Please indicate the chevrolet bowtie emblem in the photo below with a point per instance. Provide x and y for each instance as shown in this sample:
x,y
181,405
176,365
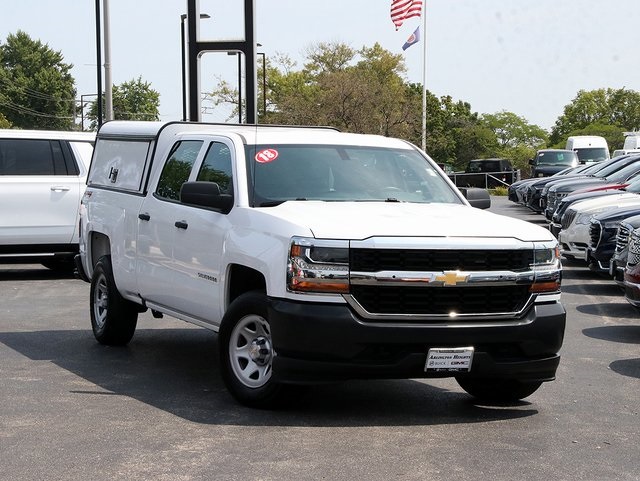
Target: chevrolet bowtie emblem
x,y
452,278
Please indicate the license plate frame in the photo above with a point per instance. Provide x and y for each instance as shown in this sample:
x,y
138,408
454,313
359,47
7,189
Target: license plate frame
x,y
449,359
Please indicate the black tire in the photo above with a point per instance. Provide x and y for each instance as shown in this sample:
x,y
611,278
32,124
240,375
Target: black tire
x,y
498,390
113,318
246,352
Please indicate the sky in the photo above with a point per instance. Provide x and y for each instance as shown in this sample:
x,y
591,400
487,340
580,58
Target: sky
x,y
529,57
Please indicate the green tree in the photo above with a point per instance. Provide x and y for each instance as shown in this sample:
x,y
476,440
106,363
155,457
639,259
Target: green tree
x,y
365,91
36,89
132,100
4,123
602,107
517,139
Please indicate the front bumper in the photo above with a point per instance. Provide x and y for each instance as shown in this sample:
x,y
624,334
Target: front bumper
x,y
616,271
324,342
599,258
632,291
574,241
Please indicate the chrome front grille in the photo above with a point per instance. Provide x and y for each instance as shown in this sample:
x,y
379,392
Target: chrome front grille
x,y
634,250
444,284
567,218
595,232
622,237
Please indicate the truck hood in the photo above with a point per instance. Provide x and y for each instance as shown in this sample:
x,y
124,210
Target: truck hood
x,y
361,220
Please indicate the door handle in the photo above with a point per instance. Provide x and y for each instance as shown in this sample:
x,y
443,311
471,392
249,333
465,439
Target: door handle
x,y
181,224
144,216
60,188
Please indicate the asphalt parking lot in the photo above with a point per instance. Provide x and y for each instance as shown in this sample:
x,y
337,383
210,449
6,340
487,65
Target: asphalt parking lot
x,y
75,410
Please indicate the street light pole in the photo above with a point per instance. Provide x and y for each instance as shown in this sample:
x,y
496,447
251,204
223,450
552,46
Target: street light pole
x,y
239,54
264,82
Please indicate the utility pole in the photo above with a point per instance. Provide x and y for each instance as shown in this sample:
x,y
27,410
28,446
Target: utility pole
x,y
108,83
99,62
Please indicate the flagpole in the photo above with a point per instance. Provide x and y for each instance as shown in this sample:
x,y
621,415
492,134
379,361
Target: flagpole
x,y
424,76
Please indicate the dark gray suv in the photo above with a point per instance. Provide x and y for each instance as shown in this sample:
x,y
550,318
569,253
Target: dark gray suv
x,y
551,161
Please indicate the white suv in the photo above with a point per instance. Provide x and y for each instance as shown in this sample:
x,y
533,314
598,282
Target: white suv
x,y
42,179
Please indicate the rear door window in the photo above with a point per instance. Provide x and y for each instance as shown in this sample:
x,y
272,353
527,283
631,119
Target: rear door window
x,y
177,169
31,157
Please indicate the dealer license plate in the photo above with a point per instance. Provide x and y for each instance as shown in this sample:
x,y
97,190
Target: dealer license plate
x,y
449,359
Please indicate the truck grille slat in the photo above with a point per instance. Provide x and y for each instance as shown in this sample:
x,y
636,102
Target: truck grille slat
x,y
373,260
443,301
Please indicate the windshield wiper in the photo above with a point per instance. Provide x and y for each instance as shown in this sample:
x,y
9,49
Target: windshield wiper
x,y
271,203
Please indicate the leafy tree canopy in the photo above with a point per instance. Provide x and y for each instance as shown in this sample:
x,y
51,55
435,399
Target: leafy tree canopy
x,y
132,100
517,139
364,91
37,90
4,123
612,107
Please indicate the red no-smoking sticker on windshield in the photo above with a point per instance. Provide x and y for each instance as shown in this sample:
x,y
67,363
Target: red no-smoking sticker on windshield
x,y
267,155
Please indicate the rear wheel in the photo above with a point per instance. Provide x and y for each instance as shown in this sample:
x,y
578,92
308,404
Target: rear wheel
x,y
113,318
500,390
246,352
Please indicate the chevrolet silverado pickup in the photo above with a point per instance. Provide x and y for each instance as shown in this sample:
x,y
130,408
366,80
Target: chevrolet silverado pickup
x,y
316,256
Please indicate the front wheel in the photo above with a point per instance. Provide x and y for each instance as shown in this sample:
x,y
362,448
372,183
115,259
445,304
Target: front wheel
x,y
246,352
498,390
113,318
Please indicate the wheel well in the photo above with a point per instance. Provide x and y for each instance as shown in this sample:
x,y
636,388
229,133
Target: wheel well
x,y
100,246
243,279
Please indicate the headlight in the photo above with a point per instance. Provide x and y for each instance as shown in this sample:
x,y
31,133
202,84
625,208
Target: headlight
x,y
547,270
318,266
585,217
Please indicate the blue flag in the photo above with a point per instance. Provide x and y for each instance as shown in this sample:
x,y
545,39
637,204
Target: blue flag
x,y
413,38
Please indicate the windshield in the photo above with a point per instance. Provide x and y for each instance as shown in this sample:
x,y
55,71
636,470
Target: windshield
x,y
592,154
625,173
614,165
343,173
486,165
557,158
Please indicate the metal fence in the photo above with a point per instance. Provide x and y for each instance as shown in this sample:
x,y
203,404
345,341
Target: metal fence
x,y
485,180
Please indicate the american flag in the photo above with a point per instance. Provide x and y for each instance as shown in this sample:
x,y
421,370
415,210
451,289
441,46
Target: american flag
x,y
403,9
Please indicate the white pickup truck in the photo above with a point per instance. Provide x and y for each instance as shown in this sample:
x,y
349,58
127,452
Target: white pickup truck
x,y
316,255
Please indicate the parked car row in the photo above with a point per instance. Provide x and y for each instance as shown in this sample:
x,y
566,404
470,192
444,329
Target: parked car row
x,y
594,211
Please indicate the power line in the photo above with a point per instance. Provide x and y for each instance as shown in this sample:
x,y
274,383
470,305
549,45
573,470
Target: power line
x,y
27,111
35,93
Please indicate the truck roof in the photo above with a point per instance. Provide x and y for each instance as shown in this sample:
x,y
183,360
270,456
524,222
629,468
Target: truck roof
x,y
47,134
251,134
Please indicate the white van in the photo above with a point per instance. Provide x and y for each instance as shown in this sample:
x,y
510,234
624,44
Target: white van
x,y
631,141
619,152
590,148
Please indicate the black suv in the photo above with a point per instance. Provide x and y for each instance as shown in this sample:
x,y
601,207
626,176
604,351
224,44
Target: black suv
x,y
488,173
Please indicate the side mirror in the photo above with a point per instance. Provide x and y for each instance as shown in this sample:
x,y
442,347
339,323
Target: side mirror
x,y
531,161
206,194
478,198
